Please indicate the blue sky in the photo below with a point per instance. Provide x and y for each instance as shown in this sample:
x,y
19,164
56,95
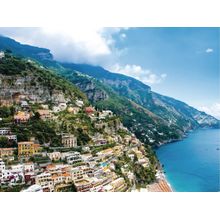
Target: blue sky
x,y
179,62
188,56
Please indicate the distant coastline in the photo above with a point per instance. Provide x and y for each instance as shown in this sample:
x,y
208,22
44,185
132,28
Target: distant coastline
x,y
200,171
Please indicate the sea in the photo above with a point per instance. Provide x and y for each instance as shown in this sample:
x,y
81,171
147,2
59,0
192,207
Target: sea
x,y
193,164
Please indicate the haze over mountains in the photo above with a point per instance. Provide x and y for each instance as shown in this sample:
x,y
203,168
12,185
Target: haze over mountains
x,y
154,118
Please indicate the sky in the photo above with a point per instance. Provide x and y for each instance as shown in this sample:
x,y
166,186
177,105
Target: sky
x,y
179,62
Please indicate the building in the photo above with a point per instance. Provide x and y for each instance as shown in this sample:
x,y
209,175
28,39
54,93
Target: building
x,y
24,104
54,156
18,168
5,131
28,167
62,106
77,173
83,185
106,152
79,103
21,117
45,181
61,178
118,184
28,148
69,140
6,152
73,110
100,141
2,166
56,109
80,172
89,110
44,114
74,158
12,137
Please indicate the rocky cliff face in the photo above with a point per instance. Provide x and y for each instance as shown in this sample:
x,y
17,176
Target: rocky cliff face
x,y
24,80
91,88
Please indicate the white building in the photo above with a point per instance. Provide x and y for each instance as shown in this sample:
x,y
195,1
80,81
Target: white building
x,y
2,165
56,109
54,155
62,106
5,131
28,167
24,104
74,158
64,155
19,168
12,137
79,103
45,181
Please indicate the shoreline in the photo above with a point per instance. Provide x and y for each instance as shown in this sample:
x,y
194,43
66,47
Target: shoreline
x,y
168,183
187,135
162,175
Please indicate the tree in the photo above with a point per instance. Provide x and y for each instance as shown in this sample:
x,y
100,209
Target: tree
x,y
3,141
4,112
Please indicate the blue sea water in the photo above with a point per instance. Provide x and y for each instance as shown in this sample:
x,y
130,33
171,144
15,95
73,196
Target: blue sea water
x,y
193,164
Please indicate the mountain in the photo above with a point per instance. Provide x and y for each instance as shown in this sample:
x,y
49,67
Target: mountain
x,y
173,111
154,118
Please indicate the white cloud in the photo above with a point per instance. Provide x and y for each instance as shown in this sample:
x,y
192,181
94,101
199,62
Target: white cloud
x,y
136,71
213,110
83,45
209,50
73,44
123,36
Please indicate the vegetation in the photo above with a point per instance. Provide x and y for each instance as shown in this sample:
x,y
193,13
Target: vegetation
x,y
10,65
3,141
6,112
96,149
43,131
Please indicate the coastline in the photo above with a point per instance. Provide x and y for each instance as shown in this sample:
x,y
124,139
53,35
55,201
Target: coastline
x,y
161,174
192,140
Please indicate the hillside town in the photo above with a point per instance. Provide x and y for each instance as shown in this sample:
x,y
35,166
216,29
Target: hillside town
x,y
53,140
31,166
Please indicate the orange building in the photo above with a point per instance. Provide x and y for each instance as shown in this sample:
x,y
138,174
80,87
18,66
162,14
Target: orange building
x,y
28,148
